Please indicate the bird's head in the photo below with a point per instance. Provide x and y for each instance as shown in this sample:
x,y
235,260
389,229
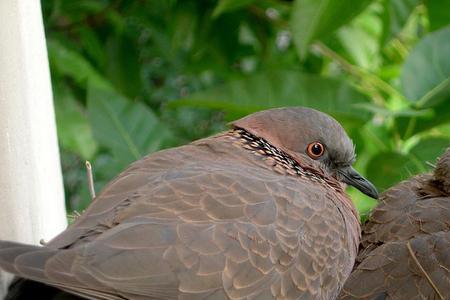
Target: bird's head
x,y
312,137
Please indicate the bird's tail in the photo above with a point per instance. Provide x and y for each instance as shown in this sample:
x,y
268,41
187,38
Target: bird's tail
x,y
44,265
25,289
15,258
25,261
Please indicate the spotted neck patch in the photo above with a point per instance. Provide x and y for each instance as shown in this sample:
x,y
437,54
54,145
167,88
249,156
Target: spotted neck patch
x,y
279,159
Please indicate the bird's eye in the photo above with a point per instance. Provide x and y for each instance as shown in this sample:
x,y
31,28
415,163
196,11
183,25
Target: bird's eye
x,y
315,150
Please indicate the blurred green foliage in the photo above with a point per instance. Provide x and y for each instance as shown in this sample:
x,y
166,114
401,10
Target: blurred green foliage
x,y
132,77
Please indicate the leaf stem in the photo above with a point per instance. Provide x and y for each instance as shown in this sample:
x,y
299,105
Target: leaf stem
x,y
365,75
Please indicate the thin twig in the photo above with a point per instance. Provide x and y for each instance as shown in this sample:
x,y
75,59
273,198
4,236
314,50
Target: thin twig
x,y
90,179
430,164
357,71
411,252
73,216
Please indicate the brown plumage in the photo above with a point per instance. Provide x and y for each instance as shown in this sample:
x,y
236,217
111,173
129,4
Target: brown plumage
x,y
405,248
246,214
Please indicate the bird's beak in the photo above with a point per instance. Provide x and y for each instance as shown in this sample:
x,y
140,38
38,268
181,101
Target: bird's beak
x,y
352,177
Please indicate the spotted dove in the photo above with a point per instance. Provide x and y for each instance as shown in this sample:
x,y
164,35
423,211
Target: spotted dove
x,y
405,248
257,212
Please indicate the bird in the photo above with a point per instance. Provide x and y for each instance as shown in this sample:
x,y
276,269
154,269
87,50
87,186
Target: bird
x,y
256,212
405,243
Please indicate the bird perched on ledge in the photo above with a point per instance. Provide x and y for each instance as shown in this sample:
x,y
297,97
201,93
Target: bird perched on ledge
x,y
257,212
405,248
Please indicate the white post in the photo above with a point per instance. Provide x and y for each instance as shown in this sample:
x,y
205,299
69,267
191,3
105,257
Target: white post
x,y
31,189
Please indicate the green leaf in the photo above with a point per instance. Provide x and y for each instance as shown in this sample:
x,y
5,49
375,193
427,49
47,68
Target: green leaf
x,y
76,11
224,6
182,35
426,73
70,63
440,114
438,13
92,45
314,19
396,113
366,29
283,88
388,168
395,16
123,65
129,130
74,131
429,149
